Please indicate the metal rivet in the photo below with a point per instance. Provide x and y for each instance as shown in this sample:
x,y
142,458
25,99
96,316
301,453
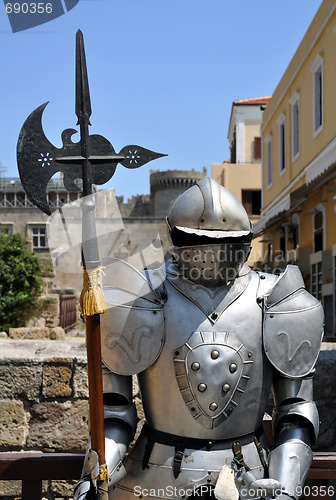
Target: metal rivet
x,y
233,367
226,388
214,354
177,353
271,316
202,220
250,354
195,366
213,406
262,277
192,409
214,316
154,312
230,410
202,387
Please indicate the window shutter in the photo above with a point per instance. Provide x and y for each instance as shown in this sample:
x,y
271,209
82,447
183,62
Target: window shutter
x,y
257,148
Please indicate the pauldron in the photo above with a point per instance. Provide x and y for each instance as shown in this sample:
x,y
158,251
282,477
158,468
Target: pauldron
x,y
293,325
133,328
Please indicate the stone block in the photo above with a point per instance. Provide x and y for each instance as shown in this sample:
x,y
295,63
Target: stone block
x,y
57,381
57,333
80,381
35,332
13,424
51,310
21,381
61,427
64,489
36,322
10,489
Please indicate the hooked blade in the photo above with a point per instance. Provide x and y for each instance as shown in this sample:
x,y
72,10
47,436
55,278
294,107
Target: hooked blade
x,y
38,159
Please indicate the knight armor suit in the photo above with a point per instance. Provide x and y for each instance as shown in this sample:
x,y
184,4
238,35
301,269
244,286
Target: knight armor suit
x,y
208,338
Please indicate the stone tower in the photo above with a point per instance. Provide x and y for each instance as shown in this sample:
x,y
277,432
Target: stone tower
x,y
166,187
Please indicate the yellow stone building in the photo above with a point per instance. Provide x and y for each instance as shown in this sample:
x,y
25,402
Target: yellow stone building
x,y
298,223
241,174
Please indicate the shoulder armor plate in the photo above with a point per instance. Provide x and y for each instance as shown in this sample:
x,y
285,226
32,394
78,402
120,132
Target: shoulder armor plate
x,y
293,325
132,330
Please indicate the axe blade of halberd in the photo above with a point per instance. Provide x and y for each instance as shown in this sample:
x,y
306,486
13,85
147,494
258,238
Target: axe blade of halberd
x,y
38,159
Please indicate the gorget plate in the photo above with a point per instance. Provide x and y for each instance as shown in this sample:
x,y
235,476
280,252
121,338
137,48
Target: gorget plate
x,y
212,371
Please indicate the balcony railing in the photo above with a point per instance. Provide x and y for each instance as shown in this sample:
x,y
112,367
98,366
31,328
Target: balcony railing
x,y
33,468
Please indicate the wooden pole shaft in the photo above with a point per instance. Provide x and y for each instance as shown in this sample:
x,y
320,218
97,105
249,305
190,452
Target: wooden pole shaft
x,y
95,386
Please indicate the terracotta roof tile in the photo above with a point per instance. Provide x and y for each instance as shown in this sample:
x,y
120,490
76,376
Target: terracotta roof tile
x,y
254,100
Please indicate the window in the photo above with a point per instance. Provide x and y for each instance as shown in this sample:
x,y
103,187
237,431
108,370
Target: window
x,y
318,231
282,246
251,200
295,102
38,235
269,164
317,69
6,227
282,144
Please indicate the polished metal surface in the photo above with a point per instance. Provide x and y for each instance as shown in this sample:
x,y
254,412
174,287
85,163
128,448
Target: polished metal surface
x,y
198,467
289,281
293,327
210,232
202,366
117,384
285,388
289,463
88,476
218,358
132,330
302,410
186,361
125,413
223,361
208,206
211,265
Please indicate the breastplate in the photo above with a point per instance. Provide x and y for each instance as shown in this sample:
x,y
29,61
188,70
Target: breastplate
x,y
212,378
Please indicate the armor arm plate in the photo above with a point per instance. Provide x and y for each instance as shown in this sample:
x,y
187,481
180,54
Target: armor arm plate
x,y
295,427
120,421
294,409
293,325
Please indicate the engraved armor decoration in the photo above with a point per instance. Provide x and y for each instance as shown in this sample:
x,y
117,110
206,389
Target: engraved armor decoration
x,y
208,337
212,373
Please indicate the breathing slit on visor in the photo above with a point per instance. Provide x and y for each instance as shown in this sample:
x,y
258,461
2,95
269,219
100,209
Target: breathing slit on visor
x,y
182,239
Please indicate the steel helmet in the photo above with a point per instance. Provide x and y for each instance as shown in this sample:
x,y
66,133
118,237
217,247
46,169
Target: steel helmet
x,y
210,232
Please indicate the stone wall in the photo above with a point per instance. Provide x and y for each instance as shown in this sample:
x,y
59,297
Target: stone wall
x,y
44,402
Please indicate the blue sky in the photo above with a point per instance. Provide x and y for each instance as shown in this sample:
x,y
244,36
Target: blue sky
x,y
163,74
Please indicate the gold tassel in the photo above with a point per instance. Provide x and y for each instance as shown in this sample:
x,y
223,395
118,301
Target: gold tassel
x,y
92,300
